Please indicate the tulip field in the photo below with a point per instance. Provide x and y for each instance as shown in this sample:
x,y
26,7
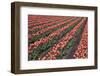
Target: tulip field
x,y
57,37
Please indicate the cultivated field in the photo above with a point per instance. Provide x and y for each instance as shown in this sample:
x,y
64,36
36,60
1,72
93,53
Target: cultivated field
x,y
57,37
